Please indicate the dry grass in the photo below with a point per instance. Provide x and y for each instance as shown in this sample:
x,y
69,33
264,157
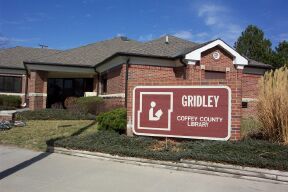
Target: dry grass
x,y
162,145
250,127
273,105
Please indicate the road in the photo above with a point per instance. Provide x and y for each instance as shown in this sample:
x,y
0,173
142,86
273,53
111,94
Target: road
x,y
25,170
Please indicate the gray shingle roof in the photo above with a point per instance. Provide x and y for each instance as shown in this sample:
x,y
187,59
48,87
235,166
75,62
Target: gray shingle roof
x,y
14,57
90,54
253,63
160,48
95,53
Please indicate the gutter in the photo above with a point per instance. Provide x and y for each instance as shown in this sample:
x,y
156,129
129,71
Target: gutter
x,y
134,55
56,64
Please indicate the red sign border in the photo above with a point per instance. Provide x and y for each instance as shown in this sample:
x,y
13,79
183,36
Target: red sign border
x,y
189,137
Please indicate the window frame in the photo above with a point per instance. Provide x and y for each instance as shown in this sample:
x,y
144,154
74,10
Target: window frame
x,y
244,104
214,77
13,88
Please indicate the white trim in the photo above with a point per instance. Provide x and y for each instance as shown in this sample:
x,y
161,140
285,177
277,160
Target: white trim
x,y
248,99
121,95
11,75
190,62
37,94
189,137
240,66
10,112
196,54
90,94
169,111
16,94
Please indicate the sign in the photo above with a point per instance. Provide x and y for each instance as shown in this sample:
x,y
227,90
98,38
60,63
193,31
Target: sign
x,y
199,112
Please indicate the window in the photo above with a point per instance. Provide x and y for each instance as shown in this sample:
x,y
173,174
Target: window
x,y
10,84
244,104
103,84
215,75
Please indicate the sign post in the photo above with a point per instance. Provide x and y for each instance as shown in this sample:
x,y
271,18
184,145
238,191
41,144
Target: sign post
x,y
199,112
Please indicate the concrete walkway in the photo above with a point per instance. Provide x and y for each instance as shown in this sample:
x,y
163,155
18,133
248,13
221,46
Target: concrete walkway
x,y
25,170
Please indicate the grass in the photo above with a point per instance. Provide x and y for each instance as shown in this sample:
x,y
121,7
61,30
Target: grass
x,y
250,127
248,152
273,106
35,134
84,135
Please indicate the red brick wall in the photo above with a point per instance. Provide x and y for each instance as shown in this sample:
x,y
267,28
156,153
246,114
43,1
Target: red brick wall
x,y
225,60
191,75
116,80
114,102
115,85
5,117
250,85
250,90
37,83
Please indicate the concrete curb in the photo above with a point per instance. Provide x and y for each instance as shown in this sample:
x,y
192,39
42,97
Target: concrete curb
x,y
202,167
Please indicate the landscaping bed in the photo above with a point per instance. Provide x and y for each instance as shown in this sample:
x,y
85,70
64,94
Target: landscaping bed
x,y
37,132
253,153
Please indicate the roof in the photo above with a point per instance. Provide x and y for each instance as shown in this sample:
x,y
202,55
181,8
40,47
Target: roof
x,y
160,48
96,53
14,57
253,63
91,54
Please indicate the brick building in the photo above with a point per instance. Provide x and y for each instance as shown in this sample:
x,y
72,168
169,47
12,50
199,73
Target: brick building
x,y
112,68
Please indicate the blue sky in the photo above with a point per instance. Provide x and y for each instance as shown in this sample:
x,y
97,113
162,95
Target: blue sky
x,y
64,24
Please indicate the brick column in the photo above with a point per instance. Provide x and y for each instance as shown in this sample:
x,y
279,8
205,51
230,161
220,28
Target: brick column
x,y
37,90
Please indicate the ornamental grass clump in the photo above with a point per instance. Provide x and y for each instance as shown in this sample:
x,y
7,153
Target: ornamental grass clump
x,y
273,105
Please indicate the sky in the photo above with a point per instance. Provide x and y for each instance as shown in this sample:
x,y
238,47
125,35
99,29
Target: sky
x,y
65,24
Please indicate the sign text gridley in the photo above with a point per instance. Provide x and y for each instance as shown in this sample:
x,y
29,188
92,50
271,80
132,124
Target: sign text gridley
x,y
200,112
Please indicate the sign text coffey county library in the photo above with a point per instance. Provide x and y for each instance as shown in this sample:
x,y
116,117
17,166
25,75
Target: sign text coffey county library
x,y
201,112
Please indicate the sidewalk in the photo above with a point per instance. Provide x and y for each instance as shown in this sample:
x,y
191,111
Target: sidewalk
x,y
188,165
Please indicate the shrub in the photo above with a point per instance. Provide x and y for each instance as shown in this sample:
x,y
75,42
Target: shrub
x,y
250,128
273,106
248,152
115,120
70,102
10,101
89,104
52,114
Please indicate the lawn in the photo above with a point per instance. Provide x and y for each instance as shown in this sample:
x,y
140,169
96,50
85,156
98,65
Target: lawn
x,y
35,134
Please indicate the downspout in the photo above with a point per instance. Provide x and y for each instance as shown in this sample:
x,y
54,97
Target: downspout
x,y
26,90
183,62
26,85
126,81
